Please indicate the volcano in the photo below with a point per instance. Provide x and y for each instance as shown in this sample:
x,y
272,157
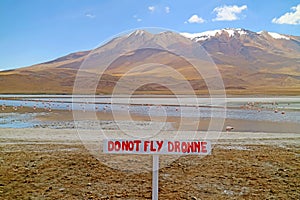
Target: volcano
x,y
248,62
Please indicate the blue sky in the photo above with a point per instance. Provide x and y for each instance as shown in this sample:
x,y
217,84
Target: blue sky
x,y
35,31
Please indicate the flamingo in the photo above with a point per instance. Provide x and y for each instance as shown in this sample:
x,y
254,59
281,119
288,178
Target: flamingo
x,y
229,128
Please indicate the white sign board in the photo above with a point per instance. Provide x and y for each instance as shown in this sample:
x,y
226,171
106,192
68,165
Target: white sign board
x,y
116,146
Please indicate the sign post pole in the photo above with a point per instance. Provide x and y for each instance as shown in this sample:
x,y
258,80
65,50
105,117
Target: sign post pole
x,y
155,170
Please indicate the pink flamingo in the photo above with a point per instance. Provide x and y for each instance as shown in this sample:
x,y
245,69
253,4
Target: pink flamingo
x,y
229,128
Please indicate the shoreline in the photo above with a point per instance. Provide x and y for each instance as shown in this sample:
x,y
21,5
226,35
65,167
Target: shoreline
x,y
61,119
72,136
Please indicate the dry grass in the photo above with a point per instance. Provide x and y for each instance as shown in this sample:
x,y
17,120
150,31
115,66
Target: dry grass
x,y
49,171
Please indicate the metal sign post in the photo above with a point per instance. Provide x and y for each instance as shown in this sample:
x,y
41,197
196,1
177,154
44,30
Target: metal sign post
x,y
155,171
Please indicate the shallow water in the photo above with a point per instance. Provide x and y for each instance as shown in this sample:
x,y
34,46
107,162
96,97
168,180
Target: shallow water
x,y
18,120
263,109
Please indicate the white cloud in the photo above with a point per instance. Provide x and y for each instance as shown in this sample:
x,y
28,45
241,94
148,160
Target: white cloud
x,y
290,17
90,15
151,8
228,13
137,18
195,19
167,9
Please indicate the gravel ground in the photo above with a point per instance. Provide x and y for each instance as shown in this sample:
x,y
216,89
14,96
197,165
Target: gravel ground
x,y
43,163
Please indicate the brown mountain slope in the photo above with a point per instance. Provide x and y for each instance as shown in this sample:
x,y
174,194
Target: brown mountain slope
x,y
250,63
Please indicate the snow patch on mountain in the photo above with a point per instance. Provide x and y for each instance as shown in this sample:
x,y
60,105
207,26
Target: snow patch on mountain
x,y
137,33
209,34
276,36
231,33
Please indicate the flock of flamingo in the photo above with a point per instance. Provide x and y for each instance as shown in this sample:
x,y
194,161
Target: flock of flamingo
x,y
255,106
47,105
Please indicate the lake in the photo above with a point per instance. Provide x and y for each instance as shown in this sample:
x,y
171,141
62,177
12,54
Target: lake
x,y
272,109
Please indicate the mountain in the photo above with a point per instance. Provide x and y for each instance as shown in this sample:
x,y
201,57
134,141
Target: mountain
x,y
249,62
262,61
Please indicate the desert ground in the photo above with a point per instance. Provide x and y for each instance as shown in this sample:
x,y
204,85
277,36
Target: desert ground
x,y
44,163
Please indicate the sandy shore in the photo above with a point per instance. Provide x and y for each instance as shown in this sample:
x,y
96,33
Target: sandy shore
x,y
66,136
42,163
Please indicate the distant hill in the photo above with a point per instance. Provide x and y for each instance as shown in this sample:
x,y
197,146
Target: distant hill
x,y
249,62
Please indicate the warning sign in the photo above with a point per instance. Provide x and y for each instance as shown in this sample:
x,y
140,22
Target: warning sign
x,y
116,146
